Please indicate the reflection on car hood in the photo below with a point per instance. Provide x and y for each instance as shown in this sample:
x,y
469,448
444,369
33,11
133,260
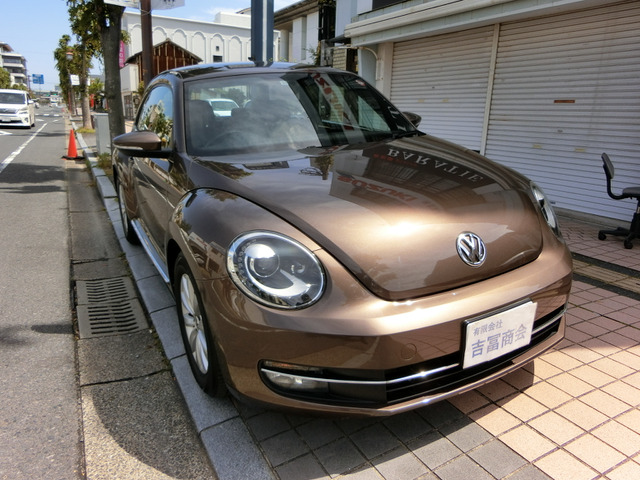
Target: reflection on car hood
x,y
391,212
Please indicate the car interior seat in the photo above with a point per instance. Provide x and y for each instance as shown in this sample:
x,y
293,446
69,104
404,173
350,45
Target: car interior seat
x,y
200,124
629,192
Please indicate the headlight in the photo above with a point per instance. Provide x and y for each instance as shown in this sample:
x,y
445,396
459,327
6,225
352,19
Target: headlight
x,y
546,208
275,270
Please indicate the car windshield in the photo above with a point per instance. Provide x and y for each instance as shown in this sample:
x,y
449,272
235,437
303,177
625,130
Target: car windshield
x,y
294,110
12,98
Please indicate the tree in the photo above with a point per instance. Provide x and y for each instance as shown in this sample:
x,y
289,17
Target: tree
x,y
100,25
81,20
65,68
5,78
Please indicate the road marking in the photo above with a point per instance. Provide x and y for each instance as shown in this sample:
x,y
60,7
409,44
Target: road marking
x,y
2,132
10,158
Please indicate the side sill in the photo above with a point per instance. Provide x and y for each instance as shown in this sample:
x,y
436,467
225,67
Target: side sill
x,y
151,252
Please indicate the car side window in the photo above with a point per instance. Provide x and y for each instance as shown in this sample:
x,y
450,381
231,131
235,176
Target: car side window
x,y
156,114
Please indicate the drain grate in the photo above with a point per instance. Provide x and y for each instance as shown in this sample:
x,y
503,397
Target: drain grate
x,y
108,290
108,307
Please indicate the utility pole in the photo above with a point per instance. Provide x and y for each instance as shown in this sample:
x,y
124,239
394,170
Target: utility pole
x,y
261,31
147,43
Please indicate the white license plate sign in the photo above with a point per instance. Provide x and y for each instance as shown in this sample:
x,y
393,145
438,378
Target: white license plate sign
x,y
496,335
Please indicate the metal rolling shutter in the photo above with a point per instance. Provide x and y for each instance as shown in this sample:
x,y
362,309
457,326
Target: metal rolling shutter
x,y
444,79
566,89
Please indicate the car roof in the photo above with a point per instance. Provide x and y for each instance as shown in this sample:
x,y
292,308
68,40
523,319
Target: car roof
x,y
235,67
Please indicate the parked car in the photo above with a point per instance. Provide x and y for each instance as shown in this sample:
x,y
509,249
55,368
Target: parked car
x,y
325,254
17,107
222,107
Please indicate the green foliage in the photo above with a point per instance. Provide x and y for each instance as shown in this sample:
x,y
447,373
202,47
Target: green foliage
x,y
5,78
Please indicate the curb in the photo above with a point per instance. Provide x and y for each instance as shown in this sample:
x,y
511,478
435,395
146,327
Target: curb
x,y
232,451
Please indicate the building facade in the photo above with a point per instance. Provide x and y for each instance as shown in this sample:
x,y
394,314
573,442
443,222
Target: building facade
x,y
226,39
544,87
15,64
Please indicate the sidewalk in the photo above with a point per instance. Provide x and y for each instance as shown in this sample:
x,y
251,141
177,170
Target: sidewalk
x,y
571,414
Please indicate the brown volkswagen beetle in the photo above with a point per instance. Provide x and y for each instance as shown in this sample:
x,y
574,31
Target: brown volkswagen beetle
x,y
326,255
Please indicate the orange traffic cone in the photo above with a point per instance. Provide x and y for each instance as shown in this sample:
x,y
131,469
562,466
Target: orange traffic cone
x,y
72,152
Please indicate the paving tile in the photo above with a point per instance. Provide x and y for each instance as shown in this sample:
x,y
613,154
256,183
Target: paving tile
x,y
633,380
434,450
465,434
575,335
400,464
283,447
545,370
375,440
632,333
605,403
525,441
522,406
529,472
625,392
570,384
619,437
494,419
319,432
268,424
626,471
590,328
440,414
631,419
303,467
562,466
339,457
366,472
556,428
582,354
463,467
611,367
582,313
592,376
581,414
498,389
548,395
618,340
606,344
627,358
497,459
469,401
407,426
595,453
352,424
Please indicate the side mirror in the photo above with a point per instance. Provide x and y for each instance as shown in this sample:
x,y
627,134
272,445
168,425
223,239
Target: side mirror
x,y
414,118
144,143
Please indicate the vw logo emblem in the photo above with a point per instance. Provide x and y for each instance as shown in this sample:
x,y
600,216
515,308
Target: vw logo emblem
x,y
471,249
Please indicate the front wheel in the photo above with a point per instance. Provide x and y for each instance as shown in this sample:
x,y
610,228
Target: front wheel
x,y
196,333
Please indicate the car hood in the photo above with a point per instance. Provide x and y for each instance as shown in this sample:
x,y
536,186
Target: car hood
x,y
392,212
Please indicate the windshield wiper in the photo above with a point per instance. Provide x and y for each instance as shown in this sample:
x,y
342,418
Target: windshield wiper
x,y
402,134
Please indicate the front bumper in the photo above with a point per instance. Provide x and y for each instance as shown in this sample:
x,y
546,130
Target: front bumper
x,y
374,357
14,118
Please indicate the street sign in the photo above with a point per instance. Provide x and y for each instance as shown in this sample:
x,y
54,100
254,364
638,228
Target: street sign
x,y
37,79
155,4
75,80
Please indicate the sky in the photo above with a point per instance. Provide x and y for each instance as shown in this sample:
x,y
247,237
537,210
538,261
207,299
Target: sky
x,y
33,28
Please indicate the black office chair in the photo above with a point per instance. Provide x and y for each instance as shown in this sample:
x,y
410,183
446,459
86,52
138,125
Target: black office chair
x,y
629,192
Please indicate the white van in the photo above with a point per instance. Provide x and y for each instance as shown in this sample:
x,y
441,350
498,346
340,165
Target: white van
x,y
16,107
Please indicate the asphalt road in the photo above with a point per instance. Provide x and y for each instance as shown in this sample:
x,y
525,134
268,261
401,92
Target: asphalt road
x,y
72,405
40,430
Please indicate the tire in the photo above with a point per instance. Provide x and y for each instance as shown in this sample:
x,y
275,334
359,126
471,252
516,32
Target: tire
x,y
129,233
195,330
